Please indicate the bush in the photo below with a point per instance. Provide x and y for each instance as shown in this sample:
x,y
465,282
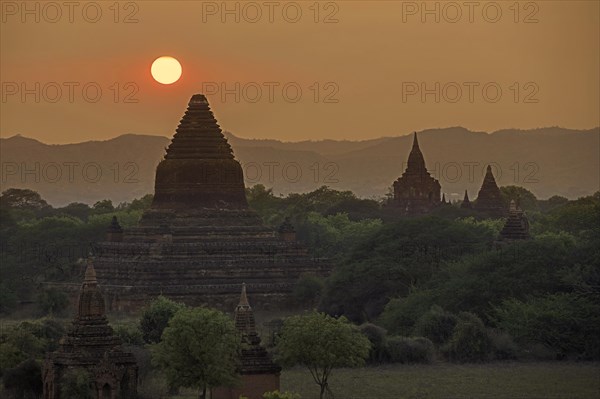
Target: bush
x,y
76,383
436,324
280,395
377,337
24,379
155,318
469,341
130,334
10,356
410,350
564,323
503,345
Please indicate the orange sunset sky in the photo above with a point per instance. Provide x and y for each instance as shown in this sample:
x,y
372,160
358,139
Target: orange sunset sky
x,y
357,64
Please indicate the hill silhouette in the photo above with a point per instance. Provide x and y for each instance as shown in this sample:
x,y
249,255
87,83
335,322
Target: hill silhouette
x,y
546,161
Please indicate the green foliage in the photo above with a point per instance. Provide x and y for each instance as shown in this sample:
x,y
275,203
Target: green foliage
x,y
281,395
25,379
308,289
155,318
469,341
198,350
503,345
10,356
321,343
8,298
525,198
566,323
395,259
23,199
52,301
436,324
129,334
401,314
409,350
378,338
104,206
76,383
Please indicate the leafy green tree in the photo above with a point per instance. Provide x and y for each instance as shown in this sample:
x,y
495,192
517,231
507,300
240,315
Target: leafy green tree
x,y
280,395
436,324
321,343
76,209
378,338
155,318
525,198
23,199
103,206
409,350
199,349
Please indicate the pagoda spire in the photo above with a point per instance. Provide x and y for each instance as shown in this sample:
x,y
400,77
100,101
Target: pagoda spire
x,y
516,226
416,162
489,199
91,302
244,317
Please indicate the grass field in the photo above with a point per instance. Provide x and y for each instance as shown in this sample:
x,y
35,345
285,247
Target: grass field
x,y
442,380
451,381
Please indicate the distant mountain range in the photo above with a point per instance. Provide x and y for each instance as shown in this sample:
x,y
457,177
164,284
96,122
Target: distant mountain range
x,y
546,161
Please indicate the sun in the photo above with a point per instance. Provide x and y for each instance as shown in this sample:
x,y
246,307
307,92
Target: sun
x,y
166,70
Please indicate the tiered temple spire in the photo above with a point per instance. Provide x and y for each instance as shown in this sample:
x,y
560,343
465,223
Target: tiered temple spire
x,y
489,199
466,204
91,344
416,191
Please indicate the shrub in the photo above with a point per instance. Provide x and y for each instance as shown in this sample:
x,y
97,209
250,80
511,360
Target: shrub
x,y
130,334
10,356
377,336
564,323
503,345
280,395
469,341
436,324
410,350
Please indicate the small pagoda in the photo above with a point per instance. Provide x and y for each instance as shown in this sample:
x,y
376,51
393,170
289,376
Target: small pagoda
x,y
91,345
516,226
416,191
258,372
489,199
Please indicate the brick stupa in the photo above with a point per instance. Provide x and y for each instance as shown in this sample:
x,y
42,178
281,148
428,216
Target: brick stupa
x,y
199,240
91,345
516,226
489,199
416,191
258,372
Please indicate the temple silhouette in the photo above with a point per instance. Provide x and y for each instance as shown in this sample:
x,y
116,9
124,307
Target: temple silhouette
x,y
91,345
416,191
199,240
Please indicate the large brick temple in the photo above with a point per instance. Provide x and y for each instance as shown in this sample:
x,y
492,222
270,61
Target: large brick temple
x,y
199,240
416,192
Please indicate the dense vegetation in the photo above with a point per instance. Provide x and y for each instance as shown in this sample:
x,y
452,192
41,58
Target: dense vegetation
x,y
434,287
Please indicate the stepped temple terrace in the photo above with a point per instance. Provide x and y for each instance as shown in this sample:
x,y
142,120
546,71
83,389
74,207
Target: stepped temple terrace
x,y
91,345
199,240
258,372
416,191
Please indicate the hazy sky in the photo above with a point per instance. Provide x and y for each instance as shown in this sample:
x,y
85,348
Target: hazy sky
x,y
361,66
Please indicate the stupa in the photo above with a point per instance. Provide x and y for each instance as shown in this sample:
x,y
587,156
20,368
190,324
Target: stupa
x,y
489,199
466,204
199,240
92,346
259,374
416,191
516,226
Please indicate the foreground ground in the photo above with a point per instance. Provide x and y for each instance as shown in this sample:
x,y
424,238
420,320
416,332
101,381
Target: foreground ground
x,y
450,381
496,380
